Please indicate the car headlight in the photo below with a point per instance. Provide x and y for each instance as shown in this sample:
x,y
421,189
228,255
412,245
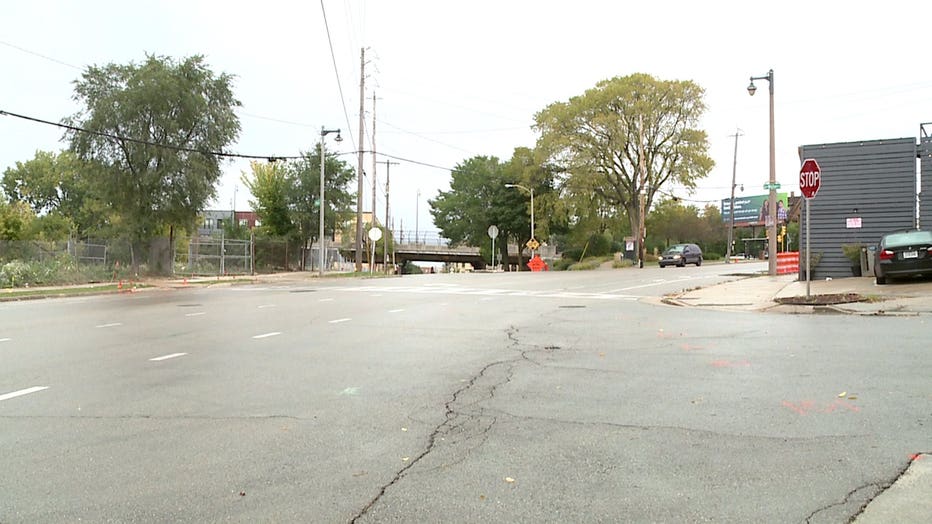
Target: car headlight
x,y
676,257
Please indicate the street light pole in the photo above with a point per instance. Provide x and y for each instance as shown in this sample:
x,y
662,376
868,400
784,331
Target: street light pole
x,y
323,160
731,228
772,199
531,191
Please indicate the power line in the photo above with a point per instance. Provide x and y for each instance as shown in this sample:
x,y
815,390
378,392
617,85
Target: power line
x,y
270,158
50,59
336,72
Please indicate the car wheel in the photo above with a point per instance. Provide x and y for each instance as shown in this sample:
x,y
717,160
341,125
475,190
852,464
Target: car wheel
x,y
698,261
682,263
881,280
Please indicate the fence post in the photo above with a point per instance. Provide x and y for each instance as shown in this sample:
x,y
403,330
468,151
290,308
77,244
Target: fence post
x,y
223,252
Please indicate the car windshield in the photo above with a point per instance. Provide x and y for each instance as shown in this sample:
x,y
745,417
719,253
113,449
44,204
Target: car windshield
x,y
908,238
674,250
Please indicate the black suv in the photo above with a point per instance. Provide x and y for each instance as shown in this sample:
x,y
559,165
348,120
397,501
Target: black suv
x,y
681,254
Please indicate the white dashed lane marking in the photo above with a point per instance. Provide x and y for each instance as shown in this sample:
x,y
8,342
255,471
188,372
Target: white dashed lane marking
x,y
196,314
267,335
339,320
5,339
22,392
112,324
395,310
166,357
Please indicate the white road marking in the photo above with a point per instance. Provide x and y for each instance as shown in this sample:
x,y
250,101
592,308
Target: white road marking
x,y
22,392
112,324
5,339
337,321
267,335
350,391
326,300
166,357
390,311
196,314
263,306
451,289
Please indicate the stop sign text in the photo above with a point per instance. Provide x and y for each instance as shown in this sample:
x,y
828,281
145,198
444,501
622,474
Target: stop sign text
x,y
810,178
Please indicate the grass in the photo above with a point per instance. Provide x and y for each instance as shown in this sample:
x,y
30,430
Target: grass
x,y
20,294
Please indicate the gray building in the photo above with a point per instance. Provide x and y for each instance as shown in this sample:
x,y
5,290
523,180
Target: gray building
x,y
868,189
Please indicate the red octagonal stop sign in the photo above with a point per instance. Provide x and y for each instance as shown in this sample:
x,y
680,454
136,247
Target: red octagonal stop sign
x,y
810,178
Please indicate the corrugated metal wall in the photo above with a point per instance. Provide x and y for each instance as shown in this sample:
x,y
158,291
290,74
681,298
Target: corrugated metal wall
x,y
925,166
872,180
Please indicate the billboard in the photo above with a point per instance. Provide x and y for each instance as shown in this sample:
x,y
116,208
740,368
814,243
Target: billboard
x,y
752,210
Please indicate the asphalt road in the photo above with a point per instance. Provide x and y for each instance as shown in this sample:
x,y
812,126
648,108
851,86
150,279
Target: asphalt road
x,y
546,397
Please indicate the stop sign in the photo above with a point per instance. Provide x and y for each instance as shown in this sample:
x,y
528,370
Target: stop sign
x,y
810,178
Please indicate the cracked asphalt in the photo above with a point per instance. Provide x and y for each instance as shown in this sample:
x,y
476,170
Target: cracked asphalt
x,y
560,397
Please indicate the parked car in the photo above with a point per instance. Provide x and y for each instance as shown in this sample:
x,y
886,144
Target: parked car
x,y
903,254
681,254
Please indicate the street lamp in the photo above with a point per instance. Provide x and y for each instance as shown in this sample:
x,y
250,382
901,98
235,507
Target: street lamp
x,y
772,200
531,191
323,133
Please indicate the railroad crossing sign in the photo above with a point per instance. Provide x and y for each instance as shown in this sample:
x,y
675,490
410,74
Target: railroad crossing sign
x,y
533,244
810,178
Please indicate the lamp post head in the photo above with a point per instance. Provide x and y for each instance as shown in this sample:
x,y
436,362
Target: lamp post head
x,y
752,88
325,132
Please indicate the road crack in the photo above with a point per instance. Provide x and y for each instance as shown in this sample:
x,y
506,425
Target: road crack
x,y
473,425
878,488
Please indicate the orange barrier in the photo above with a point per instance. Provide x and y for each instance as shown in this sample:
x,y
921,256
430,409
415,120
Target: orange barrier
x,y
788,262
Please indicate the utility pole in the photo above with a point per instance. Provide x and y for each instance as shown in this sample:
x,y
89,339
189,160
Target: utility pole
x,y
374,179
731,227
359,174
388,165
642,196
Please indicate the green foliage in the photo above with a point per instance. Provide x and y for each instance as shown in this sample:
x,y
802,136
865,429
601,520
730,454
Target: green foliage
x,y
601,137
410,268
63,185
599,245
287,195
478,198
853,252
172,115
60,270
15,220
270,189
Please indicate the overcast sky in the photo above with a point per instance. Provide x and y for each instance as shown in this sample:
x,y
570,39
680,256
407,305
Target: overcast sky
x,y
458,79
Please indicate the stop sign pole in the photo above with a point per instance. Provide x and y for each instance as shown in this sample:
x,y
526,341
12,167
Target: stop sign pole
x,y
810,180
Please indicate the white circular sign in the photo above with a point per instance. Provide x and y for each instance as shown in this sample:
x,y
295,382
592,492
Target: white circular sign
x,y
493,231
375,234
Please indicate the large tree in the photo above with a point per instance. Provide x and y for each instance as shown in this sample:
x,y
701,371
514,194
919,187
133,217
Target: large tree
x,y
603,135
479,198
154,127
60,185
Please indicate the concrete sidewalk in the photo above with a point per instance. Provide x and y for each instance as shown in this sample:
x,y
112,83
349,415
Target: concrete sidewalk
x,y
765,293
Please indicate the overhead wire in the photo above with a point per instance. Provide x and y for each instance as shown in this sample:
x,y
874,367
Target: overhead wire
x,y
336,72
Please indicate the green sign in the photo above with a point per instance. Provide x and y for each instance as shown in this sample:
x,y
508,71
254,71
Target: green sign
x,y
769,186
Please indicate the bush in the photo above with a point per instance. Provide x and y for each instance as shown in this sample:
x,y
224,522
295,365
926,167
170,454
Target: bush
x,y
562,264
599,245
16,273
